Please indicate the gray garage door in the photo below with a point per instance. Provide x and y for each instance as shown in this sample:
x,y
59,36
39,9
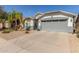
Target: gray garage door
x,y
57,26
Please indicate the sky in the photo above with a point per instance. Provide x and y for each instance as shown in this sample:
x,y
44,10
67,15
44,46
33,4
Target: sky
x,y
31,10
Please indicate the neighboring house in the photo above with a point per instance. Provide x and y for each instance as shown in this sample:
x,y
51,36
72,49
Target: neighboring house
x,y
30,22
57,21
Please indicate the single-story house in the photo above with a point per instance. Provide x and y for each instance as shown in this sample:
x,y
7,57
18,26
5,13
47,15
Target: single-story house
x,y
57,21
29,22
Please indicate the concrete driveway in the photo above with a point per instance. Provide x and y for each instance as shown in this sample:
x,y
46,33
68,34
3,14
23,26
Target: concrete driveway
x,y
41,41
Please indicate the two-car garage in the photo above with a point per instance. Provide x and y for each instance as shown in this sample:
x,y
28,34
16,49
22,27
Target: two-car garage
x,y
54,25
56,22
57,25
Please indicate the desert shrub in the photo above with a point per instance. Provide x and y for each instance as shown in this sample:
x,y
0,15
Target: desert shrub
x,y
6,31
27,32
77,35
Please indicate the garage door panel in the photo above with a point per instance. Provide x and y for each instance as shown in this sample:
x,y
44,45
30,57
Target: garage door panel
x,y
58,26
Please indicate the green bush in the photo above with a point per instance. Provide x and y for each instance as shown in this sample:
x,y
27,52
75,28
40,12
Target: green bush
x,y
6,31
27,32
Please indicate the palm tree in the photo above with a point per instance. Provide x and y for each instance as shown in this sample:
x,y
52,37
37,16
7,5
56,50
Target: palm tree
x,y
15,18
